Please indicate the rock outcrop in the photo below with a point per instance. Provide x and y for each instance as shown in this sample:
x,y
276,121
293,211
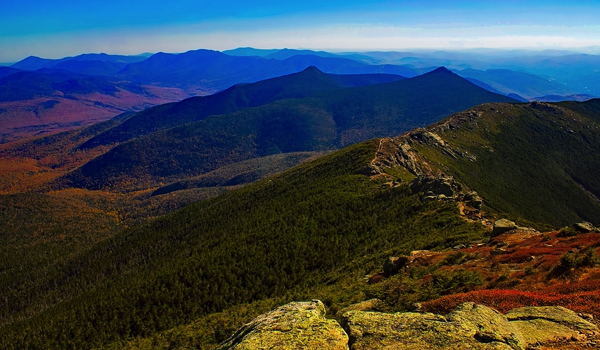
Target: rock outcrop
x,y
585,227
472,199
411,330
503,225
302,325
298,325
397,152
431,181
546,323
436,187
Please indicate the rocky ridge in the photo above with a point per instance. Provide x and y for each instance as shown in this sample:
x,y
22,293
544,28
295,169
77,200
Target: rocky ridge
x,y
422,157
302,325
430,180
399,151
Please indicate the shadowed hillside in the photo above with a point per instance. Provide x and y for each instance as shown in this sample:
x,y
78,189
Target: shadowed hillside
x,y
328,121
536,161
309,82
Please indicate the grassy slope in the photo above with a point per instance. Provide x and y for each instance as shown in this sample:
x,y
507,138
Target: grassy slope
x,y
533,153
310,226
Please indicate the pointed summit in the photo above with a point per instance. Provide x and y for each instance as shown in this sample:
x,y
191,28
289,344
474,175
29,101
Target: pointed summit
x,y
443,73
441,69
438,73
312,69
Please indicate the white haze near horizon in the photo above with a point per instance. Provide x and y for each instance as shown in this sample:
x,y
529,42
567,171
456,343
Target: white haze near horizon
x,y
334,39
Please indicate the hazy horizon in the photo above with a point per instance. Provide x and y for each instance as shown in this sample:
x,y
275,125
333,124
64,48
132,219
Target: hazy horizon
x,y
67,28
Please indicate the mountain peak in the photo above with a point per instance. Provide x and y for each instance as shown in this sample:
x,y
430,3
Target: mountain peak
x,y
312,69
441,69
438,72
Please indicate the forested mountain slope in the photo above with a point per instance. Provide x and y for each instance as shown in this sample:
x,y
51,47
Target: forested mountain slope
x,y
327,121
306,83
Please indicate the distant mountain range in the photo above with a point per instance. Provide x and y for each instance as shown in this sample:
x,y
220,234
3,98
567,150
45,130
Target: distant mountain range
x,y
163,77
91,64
307,83
206,71
523,84
201,134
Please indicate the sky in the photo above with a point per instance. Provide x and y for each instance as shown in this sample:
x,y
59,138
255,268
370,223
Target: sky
x,y
59,28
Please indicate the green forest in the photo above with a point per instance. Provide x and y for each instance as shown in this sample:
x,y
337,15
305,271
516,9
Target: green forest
x,y
277,238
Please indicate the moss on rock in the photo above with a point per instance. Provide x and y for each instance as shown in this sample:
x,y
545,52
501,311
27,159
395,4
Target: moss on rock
x,y
302,325
371,330
540,324
489,324
298,325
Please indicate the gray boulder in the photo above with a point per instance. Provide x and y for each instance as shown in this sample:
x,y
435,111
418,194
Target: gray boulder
x,y
584,227
473,200
503,225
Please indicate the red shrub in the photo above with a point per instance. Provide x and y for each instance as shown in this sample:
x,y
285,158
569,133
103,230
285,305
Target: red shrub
x,y
523,255
505,300
588,239
574,287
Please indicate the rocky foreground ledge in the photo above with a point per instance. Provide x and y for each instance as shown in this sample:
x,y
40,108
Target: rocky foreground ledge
x,y
302,325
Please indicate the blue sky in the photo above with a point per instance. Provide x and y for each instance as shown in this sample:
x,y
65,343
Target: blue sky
x,y
59,28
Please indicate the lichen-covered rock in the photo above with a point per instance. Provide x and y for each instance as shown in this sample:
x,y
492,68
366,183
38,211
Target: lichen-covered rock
x,y
503,225
302,325
546,323
298,325
367,305
584,227
542,331
557,314
372,330
490,325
